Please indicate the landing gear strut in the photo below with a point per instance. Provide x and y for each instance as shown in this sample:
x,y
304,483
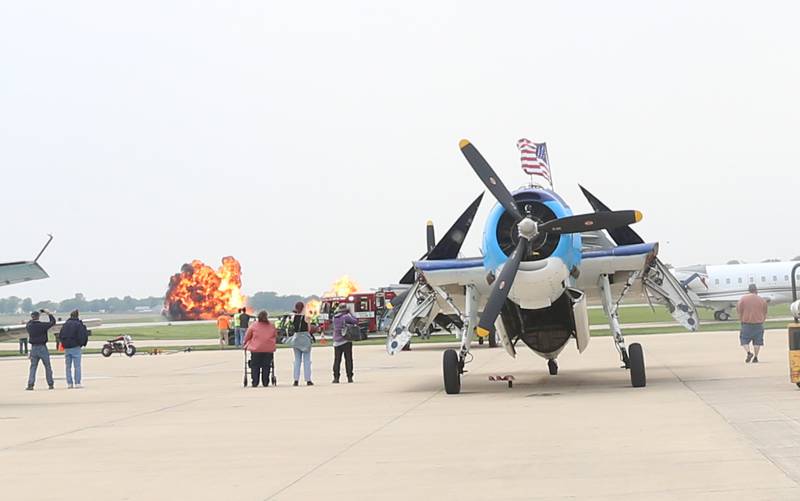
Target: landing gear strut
x,y
722,316
632,358
552,366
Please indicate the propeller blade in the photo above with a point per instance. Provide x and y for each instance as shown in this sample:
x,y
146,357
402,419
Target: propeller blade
x,y
502,285
489,178
589,222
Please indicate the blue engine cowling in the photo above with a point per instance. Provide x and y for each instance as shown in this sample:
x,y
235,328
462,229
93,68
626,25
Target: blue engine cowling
x,y
500,234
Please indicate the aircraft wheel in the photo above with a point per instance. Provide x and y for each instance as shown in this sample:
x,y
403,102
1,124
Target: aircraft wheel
x,y
638,376
722,316
452,379
492,340
798,385
552,366
480,340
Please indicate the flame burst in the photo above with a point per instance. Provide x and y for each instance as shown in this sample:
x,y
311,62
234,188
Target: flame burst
x,y
200,293
312,308
342,287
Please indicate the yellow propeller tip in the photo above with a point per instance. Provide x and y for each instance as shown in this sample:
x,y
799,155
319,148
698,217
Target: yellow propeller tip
x,y
637,216
481,332
429,223
463,144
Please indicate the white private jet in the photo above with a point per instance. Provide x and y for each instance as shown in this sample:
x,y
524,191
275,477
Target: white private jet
x,y
719,287
531,282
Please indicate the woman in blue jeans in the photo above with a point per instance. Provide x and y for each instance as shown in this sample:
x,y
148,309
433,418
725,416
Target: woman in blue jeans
x,y
303,340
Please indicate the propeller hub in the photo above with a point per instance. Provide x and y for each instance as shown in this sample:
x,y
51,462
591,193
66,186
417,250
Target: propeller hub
x,y
528,228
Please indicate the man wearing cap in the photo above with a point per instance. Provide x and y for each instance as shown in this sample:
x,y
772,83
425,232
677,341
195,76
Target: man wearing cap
x,y
752,310
74,336
37,336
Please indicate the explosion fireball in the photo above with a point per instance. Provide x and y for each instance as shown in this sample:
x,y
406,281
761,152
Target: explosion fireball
x,y
200,293
342,287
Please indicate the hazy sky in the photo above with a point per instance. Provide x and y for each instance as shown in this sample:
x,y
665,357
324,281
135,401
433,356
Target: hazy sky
x,y
314,139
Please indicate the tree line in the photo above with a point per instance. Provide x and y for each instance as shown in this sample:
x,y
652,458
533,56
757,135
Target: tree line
x,y
265,300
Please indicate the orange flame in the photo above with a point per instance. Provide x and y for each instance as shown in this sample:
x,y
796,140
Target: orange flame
x,y
312,308
342,287
199,292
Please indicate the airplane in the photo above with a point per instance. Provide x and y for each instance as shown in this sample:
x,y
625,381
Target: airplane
x,y
719,287
532,280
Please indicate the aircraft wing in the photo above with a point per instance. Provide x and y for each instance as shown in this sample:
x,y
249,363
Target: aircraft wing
x,y
16,331
440,288
21,271
640,262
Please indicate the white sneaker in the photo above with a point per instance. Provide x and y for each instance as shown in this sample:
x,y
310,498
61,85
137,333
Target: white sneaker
x,y
69,386
78,386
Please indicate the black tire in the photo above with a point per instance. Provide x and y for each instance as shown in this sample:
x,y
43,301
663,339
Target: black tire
x,y
638,376
480,340
106,351
492,340
130,351
798,385
552,367
452,379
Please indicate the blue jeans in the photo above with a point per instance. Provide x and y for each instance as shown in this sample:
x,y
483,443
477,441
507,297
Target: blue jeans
x,y
39,352
73,355
303,357
239,333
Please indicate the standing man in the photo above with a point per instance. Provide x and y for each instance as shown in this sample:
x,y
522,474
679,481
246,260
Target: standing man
x,y
74,336
37,335
752,310
244,323
237,334
223,323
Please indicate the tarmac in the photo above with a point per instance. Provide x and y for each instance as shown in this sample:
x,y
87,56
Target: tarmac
x,y
181,426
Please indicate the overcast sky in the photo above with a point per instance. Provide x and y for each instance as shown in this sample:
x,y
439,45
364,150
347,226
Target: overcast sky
x,y
314,139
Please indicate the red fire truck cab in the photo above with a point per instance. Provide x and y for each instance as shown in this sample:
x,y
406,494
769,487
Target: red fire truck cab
x,y
368,307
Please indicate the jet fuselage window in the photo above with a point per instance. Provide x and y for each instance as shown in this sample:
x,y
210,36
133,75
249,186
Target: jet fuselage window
x,y
774,278
752,280
763,278
716,281
728,281
740,279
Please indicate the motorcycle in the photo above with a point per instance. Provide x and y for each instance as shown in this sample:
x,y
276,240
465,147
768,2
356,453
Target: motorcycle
x,y
121,344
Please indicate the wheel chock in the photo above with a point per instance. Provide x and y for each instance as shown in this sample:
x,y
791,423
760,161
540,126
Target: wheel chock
x,y
508,378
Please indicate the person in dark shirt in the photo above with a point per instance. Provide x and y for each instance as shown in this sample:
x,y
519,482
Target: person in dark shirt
x,y
74,336
37,335
244,321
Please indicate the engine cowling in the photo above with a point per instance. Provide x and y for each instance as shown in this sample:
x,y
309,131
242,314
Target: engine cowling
x,y
501,236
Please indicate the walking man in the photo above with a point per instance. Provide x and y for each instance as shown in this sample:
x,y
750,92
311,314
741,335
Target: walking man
x,y
37,335
752,310
74,336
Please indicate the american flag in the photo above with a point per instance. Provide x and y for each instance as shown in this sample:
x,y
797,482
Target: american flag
x,y
534,159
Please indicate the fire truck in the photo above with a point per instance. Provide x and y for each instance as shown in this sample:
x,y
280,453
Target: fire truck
x,y
368,307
